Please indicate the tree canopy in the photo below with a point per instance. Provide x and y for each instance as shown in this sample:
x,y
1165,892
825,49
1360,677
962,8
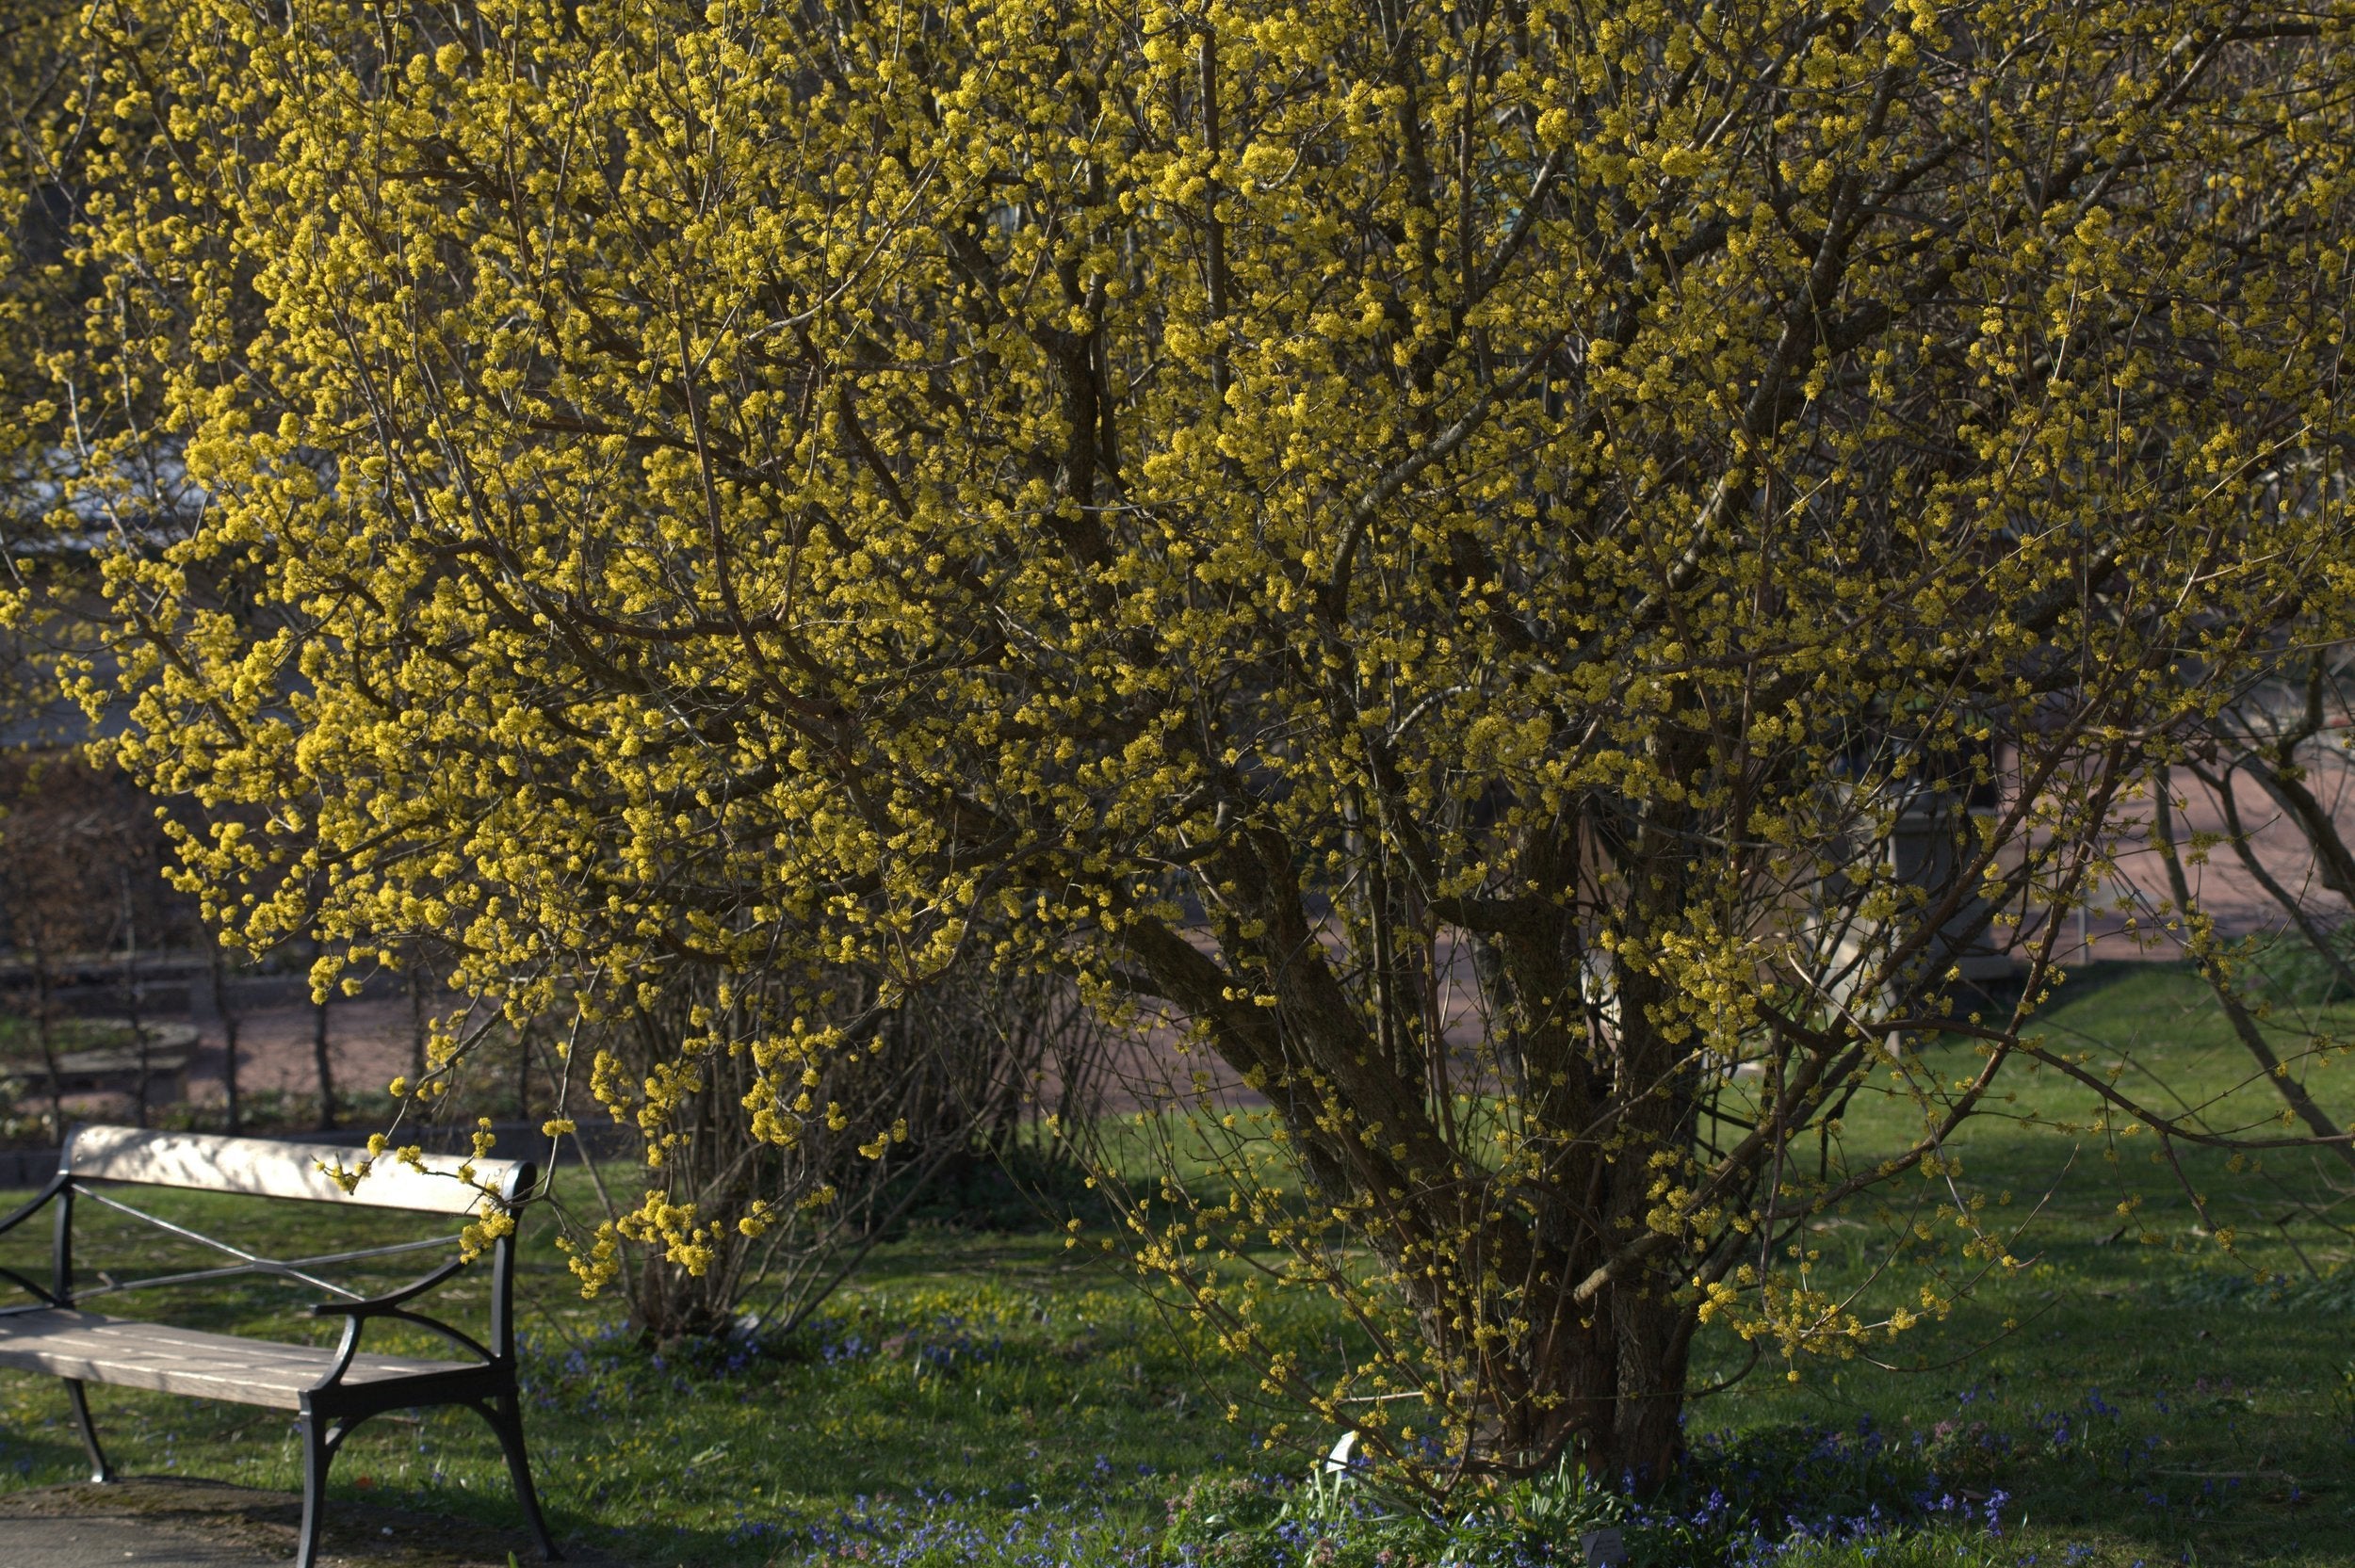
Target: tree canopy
x,y
1282,512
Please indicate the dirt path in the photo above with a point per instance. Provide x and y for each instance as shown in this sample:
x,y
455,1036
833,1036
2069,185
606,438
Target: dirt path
x,y
190,1524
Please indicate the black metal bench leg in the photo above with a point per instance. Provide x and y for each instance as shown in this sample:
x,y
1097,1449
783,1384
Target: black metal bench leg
x,y
506,1415
99,1469
317,1453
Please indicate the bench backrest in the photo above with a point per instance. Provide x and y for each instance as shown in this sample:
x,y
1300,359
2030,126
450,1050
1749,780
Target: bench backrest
x,y
265,1168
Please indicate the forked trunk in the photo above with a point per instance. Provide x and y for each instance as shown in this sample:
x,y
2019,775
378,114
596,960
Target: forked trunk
x,y
1492,1250
1600,1385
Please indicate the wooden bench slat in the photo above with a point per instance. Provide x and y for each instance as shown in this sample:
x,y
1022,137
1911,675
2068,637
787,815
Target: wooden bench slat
x,y
265,1168
125,1351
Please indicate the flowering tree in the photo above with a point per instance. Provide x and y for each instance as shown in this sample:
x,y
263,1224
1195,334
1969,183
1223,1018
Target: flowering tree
x,y
1278,511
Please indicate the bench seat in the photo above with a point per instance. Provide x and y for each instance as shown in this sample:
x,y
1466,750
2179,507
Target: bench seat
x,y
131,1354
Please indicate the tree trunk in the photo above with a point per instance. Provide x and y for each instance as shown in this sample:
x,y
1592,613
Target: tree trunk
x,y
229,1040
44,1030
1546,1293
416,1021
141,1053
326,1070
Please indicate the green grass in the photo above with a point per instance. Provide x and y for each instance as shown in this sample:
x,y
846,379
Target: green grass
x,y
2141,1393
2140,1396
20,1049
19,1037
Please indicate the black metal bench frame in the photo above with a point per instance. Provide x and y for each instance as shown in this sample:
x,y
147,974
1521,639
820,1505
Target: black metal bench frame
x,y
331,1408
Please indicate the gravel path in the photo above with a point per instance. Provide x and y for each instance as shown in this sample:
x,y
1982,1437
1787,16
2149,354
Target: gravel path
x,y
100,1542
166,1523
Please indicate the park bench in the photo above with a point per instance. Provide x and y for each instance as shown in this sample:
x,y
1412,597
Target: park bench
x,y
332,1391
107,1069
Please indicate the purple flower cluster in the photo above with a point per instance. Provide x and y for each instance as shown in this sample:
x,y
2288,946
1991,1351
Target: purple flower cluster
x,y
937,1530
944,1341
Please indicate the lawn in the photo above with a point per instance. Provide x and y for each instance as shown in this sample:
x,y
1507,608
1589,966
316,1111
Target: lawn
x,y
2131,1394
2157,1399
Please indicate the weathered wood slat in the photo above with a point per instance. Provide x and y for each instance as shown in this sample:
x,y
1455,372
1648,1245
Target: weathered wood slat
x,y
265,1168
132,1355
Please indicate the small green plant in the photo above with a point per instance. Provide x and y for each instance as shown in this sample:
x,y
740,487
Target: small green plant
x,y
1215,1507
1337,1517
1534,1520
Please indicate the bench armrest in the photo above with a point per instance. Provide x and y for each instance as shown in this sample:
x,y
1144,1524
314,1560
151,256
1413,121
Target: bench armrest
x,y
57,1185
393,1304
378,1307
